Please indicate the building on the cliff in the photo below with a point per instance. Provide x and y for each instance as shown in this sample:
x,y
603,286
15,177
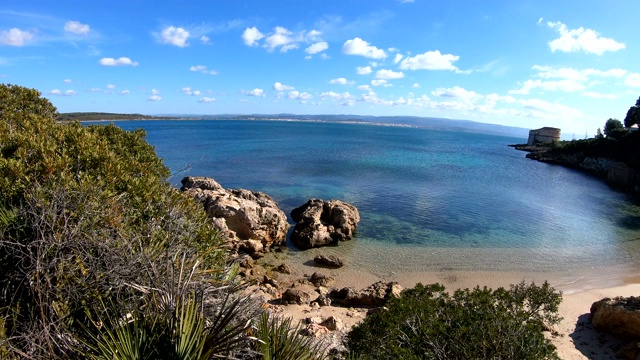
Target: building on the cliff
x,y
543,135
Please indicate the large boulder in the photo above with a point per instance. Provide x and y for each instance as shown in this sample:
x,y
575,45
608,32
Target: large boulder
x,y
619,317
252,218
320,223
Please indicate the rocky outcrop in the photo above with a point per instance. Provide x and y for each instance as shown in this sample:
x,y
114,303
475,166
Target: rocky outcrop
x,y
251,220
374,296
320,223
618,316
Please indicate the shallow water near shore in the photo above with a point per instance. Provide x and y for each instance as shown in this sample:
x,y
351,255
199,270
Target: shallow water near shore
x,y
430,201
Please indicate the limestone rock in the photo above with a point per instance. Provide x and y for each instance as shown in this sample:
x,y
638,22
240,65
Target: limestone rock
x,y
319,279
329,261
320,223
375,295
297,296
242,214
618,316
333,323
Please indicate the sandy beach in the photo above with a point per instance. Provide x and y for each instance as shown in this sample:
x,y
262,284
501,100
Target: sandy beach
x,y
575,338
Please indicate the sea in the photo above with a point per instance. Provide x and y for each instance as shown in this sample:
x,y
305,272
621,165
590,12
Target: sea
x,y
429,200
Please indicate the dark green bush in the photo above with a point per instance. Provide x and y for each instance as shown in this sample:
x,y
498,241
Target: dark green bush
x,y
86,218
428,323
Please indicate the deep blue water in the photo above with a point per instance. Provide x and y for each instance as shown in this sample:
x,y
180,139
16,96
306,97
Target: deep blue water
x,y
431,194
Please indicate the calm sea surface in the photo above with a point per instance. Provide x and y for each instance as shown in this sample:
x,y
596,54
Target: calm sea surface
x,y
429,200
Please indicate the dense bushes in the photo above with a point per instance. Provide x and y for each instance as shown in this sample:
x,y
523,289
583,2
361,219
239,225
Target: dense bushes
x,y
428,323
87,219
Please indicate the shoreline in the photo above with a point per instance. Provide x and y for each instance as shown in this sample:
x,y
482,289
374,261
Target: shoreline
x,y
575,338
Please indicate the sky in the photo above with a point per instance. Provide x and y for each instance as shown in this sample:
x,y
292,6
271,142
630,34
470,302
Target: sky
x,y
567,64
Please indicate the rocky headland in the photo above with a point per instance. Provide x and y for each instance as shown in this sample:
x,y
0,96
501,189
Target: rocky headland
x,y
610,165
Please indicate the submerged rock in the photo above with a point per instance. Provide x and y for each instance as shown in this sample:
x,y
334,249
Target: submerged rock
x,y
329,261
320,223
252,218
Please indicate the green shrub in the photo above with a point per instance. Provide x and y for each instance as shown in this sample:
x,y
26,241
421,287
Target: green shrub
x,y
428,323
84,213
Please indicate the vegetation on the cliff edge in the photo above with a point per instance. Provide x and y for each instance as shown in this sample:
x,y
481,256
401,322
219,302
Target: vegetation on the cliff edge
x,y
101,258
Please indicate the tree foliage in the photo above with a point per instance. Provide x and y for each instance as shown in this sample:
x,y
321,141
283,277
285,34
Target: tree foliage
x,y
428,323
633,115
613,128
85,213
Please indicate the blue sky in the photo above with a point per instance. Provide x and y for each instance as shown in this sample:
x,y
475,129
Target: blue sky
x,y
569,64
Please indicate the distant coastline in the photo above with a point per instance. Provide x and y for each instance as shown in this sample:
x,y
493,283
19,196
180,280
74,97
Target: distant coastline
x,y
393,121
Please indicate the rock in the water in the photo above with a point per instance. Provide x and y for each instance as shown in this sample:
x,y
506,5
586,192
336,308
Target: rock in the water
x,y
247,215
320,223
375,295
329,261
619,317
283,268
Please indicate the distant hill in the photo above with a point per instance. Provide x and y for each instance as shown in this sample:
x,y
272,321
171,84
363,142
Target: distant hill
x,y
414,121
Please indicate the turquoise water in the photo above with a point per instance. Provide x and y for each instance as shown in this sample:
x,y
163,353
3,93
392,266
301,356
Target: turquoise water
x,y
428,199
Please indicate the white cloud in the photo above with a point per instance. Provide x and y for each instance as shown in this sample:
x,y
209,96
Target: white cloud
x,y
596,95
76,27
317,47
206,100
364,87
154,98
58,92
360,47
416,85
281,37
389,74
364,70
336,96
632,80
67,81
110,86
255,92
430,60
581,39
564,79
295,95
251,36
155,92
205,39
94,90
203,69
456,92
175,36
15,37
124,92
277,86
397,58
340,81
123,61
372,98
543,109
378,82
189,91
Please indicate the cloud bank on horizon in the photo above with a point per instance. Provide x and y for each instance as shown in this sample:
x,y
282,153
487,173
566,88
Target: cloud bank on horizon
x,y
509,63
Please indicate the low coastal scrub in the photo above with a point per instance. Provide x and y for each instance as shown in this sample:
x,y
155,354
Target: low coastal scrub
x,y
428,323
